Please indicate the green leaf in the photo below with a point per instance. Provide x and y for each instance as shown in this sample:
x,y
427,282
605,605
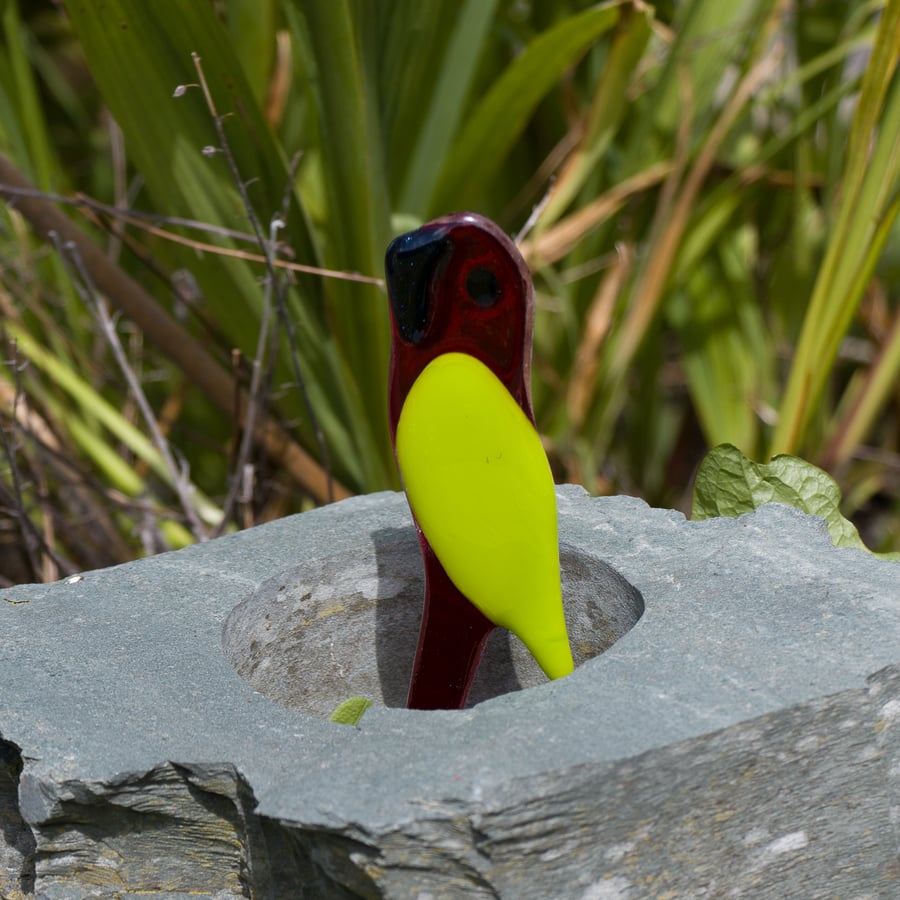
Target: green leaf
x,y
448,87
251,27
729,484
351,711
501,117
84,396
863,218
358,217
608,107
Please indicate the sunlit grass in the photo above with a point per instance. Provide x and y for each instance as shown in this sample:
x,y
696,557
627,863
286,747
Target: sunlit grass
x,y
716,259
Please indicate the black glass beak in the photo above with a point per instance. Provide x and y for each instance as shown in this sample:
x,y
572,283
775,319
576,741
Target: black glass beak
x,y
410,264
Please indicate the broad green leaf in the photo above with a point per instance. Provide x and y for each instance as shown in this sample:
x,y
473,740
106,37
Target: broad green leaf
x,y
444,107
24,130
251,27
139,53
357,226
39,148
351,711
729,484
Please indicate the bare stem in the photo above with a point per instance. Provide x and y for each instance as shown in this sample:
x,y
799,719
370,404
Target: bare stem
x,y
35,543
272,280
239,478
191,357
141,219
178,473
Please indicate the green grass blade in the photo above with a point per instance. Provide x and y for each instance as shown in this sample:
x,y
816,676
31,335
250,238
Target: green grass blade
x,y
92,403
864,401
871,173
445,106
358,219
499,119
251,26
607,110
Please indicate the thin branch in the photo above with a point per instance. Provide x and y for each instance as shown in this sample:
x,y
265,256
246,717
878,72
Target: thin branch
x,y
32,538
84,285
173,339
288,325
137,217
536,211
238,478
30,535
225,149
140,219
90,522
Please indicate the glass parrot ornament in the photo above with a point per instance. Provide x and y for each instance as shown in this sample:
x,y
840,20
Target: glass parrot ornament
x,y
473,467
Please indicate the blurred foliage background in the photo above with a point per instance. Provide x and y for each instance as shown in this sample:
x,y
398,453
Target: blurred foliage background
x,y
716,253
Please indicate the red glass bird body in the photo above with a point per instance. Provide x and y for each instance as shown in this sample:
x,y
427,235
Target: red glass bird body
x,y
463,429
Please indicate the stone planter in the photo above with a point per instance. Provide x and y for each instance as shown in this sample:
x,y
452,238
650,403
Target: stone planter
x,y
732,729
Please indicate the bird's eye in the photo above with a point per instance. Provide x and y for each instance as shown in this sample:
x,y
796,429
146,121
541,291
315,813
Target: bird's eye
x,y
483,287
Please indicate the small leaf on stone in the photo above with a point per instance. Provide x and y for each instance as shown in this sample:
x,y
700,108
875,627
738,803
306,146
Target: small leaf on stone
x,y
351,711
729,484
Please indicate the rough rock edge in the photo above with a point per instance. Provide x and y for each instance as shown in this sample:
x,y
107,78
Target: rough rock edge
x,y
740,809
476,849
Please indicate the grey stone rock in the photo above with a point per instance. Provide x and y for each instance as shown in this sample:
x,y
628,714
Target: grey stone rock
x,y
347,625
733,728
